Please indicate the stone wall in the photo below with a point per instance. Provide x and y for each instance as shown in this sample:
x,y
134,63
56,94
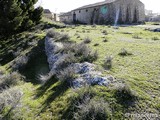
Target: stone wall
x,y
128,11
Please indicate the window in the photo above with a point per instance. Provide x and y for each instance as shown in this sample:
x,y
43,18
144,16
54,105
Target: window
x,y
86,10
79,11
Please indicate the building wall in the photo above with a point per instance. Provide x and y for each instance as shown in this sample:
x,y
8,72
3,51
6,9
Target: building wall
x,y
121,11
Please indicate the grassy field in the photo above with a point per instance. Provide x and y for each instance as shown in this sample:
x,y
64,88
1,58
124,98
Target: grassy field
x,y
140,70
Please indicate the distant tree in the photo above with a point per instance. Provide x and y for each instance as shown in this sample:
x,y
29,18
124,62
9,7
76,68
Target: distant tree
x,y
18,15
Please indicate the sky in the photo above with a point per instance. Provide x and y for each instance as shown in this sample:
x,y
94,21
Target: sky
x,y
58,6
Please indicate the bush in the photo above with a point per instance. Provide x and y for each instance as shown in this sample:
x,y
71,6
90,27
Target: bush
x,y
105,32
9,80
64,37
84,53
124,52
51,33
94,25
108,62
83,31
67,74
20,62
155,38
96,44
136,36
65,61
62,30
9,99
92,109
123,92
86,107
105,40
87,40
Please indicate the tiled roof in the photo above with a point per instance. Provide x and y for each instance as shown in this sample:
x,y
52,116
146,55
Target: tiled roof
x,y
47,11
96,4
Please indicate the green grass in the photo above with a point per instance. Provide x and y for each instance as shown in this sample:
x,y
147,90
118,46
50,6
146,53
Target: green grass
x,y
53,100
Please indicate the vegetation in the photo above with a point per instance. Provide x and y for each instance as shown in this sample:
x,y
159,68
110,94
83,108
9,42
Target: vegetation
x,y
136,83
18,15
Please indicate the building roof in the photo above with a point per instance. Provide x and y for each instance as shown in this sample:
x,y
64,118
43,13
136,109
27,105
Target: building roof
x,y
65,14
47,11
96,4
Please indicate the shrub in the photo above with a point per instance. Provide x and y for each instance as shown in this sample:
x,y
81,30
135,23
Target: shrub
x,y
123,92
105,32
136,36
105,40
84,53
124,52
64,37
92,109
87,40
96,44
83,31
9,99
78,36
20,62
86,107
155,38
51,33
94,25
65,60
67,74
9,80
108,62
62,30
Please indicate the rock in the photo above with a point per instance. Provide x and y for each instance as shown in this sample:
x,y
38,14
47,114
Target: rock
x,y
86,71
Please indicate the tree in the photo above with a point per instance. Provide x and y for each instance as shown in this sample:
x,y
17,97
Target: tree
x,y
18,15
10,15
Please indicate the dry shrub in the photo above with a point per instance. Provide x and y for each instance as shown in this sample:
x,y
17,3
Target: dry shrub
x,y
86,107
9,99
87,40
124,52
67,74
10,80
108,62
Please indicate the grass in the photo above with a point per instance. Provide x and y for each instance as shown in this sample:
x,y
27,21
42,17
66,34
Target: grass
x,y
53,99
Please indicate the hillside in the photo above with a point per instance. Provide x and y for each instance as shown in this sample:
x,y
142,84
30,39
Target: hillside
x,y
128,53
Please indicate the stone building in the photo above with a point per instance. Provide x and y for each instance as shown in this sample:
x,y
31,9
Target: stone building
x,y
108,12
47,13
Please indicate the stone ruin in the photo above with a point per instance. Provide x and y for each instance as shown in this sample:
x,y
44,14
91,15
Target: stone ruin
x,y
88,75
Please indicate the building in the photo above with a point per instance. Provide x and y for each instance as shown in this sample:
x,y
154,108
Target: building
x,y
107,12
66,17
53,16
48,14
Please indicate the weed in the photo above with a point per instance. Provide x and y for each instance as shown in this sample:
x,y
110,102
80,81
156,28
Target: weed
x,y
88,108
124,93
9,99
64,37
96,44
108,62
124,52
155,38
52,34
9,80
105,32
67,74
136,36
87,40
105,40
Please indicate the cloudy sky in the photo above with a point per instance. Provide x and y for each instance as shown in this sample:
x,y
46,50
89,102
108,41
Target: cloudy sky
x,y
67,5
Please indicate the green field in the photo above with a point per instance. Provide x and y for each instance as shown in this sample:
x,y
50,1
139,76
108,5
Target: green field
x,y
140,70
